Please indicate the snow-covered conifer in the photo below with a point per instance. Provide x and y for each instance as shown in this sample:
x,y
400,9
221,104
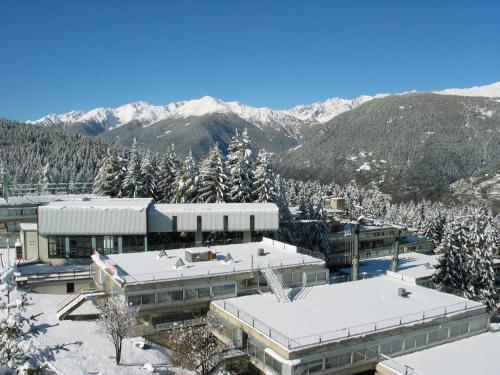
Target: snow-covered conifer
x,y
132,183
186,183
213,179
149,179
109,178
239,168
264,179
168,170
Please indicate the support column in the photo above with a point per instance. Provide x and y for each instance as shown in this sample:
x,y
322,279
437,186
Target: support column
x,y
355,255
247,236
198,237
120,245
67,249
145,243
395,255
94,244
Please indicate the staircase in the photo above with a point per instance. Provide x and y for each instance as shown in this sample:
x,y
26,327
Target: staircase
x,y
276,284
216,364
70,304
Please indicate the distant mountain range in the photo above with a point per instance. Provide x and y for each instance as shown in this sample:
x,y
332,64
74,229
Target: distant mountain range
x,y
409,144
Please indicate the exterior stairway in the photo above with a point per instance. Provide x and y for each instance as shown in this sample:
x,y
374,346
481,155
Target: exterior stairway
x,y
276,284
70,304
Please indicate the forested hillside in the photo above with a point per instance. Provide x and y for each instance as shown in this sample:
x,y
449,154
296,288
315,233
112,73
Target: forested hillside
x,y
411,146
29,151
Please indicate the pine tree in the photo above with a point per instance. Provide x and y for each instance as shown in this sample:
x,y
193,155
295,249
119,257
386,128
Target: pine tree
x,y
148,179
285,231
239,167
186,183
132,183
264,179
109,178
168,170
213,178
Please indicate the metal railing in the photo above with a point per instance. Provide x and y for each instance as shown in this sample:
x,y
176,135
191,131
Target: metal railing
x,y
394,365
348,332
230,268
63,275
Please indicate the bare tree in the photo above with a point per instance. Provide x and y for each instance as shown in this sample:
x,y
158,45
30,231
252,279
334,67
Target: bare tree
x,y
194,346
117,321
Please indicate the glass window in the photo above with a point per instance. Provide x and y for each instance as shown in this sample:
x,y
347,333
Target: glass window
x,y
163,297
80,246
315,366
421,340
191,294
174,223
454,331
433,336
198,223
344,359
372,352
464,328
134,300
410,342
57,247
300,369
177,295
358,355
132,244
331,362
443,333
273,363
477,325
203,292
148,299
229,288
252,222
226,223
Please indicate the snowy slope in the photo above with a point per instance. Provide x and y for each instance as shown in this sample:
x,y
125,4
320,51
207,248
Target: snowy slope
x,y
488,91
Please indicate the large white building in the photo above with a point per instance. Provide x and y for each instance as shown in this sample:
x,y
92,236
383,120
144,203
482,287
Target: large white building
x,y
345,328
70,231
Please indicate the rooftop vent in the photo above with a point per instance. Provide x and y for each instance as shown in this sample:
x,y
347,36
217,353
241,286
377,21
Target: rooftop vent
x,y
427,266
260,251
179,264
228,258
402,292
86,199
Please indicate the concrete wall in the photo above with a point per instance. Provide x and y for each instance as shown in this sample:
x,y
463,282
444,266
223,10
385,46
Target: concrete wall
x,y
29,241
59,287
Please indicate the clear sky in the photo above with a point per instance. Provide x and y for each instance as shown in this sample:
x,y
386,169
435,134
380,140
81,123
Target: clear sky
x,y
61,55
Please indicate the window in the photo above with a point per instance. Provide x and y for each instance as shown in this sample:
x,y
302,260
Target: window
x,y
174,223
223,289
204,292
315,366
198,223
191,294
134,300
358,355
56,246
301,369
226,223
477,325
163,297
177,295
454,331
132,244
331,362
273,363
252,222
80,246
148,299
443,333
464,328
70,287
410,342
391,347
421,340
344,359
433,336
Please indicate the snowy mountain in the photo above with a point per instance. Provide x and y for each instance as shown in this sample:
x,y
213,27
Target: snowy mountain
x,y
488,91
148,114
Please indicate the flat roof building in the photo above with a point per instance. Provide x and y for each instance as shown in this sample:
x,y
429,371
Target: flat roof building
x,y
69,231
173,284
343,328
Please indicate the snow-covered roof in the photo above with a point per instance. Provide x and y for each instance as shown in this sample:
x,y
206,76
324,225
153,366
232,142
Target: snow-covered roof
x,y
412,265
338,311
112,216
38,199
29,226
473,355
152,266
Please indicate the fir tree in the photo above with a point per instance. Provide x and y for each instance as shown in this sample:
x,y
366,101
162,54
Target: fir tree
x,y
186,183
148,179
109,178
264,179
168,170
239,167
132,183
213,179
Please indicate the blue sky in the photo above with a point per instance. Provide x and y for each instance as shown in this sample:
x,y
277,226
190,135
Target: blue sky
x,y
61,55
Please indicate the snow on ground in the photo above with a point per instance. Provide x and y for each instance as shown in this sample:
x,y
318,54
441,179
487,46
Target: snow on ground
x,y
474,355
364,167
89,351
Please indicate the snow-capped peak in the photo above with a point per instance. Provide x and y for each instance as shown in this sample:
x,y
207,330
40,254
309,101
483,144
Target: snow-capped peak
x,y
488,91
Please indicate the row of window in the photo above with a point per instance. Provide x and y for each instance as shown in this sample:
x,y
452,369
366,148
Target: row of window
x,y
4,212
82,246
397,346
180,295
258,352
199,223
